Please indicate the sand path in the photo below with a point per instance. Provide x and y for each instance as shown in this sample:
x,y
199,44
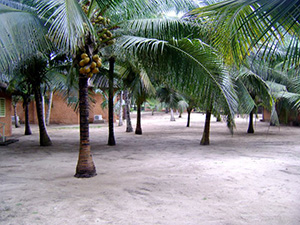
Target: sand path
x,y
161,177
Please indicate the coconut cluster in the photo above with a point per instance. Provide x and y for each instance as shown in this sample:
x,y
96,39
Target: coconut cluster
x,y
104,34
88,66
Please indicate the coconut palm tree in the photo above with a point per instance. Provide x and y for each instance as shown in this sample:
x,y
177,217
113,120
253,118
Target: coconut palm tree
x,y
127,111
34,73
170,97
139,83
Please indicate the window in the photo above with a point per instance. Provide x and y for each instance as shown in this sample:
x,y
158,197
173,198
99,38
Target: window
x,y
2,107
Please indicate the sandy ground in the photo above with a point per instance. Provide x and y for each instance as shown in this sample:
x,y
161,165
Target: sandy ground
x,y
161,177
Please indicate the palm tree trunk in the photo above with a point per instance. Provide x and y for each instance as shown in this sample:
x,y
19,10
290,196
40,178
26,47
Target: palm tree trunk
x,y
17,124
138,129
172,115
85,165
250,127
49,108
127,112
43,108
111,136
27,125
205,136
189,110
44,138
121,109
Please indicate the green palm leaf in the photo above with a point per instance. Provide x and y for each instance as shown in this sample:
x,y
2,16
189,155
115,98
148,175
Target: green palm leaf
x,y
16,47
68,23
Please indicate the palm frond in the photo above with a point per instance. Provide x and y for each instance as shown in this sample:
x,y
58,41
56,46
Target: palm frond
x,y
241,25
191,64
68,23
15,47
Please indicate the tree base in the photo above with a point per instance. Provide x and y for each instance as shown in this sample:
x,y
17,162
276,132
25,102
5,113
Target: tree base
x,y
138,132
85,175
204,142
46,143
129,130
250,131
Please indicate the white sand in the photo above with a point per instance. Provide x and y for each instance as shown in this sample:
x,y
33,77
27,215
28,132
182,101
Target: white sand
x,y
161,177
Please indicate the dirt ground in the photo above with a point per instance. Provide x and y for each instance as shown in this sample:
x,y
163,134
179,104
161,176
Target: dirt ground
x,y
161,177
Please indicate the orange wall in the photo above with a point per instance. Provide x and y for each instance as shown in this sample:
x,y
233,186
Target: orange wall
x,y
8,113
61,113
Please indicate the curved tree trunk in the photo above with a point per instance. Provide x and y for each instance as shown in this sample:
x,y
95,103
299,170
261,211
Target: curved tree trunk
x,y
138,129
127,112
205,136
27,125
85,165
49,108
111,136
189,110
172,115
250,127
121,109
17,124
44,138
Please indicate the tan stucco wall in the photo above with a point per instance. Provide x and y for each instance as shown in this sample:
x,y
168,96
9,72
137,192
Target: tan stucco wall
x,y
61,113
8,113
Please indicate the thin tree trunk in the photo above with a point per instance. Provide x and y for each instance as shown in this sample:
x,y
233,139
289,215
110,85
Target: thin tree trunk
x,y
172,115
121,109
44,138
205,136
43,108
27,125
189,110
250,127
17,124
85,165
49,108
111,136
138,129
127,112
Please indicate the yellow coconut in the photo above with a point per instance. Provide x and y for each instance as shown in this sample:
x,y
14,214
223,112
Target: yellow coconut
x,y
84,55
87,69
99,63
90,75
96,58
95,70
93,65
82,70
86,60
82,63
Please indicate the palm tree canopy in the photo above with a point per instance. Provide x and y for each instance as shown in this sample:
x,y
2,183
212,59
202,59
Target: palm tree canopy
x,y
15,47
240,26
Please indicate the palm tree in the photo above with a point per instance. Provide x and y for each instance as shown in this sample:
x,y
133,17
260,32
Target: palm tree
x,y
141,88
15,100
170,97
111,136
252,90
127,111
33,71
